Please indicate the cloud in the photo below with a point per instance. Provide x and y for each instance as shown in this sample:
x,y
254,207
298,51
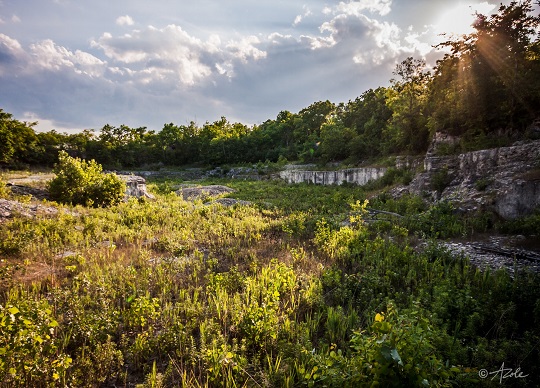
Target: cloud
x,y
146,76
125,20
46,55
298,19
12,55
171,55
381,7
15,19
245,49
45,125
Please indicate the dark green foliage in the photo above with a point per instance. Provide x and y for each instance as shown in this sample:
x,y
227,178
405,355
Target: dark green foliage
x,y
441,179
18,141
279,294
80,182
482,184
528,225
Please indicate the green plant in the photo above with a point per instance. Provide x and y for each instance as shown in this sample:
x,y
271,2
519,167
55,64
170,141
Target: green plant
x,y
30,351
441,179
5,192
80,182
482,184
396,351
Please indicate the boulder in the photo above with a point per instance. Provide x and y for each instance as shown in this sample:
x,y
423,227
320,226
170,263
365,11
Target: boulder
x,y
201,192
230,202
136,186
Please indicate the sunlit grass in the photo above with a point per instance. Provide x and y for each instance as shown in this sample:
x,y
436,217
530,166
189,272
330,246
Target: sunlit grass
x,y
272,294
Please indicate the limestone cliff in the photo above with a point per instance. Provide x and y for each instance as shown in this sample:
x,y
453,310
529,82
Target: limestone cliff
x,y
358,176
505,180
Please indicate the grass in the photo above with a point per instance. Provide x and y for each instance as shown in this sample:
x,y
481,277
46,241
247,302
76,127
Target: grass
x,y
278,293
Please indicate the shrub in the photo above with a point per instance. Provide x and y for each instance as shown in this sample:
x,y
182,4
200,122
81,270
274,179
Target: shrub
x,y
4,189
81,182
440,180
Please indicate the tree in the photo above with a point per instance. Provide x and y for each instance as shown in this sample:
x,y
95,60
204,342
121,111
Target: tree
x,y
368,116
490,79
407,101
81,182
309,121
18,141
178,144
335,141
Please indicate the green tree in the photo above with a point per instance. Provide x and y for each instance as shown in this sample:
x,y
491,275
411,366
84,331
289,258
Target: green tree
x,y
490,80
407,100
81,182
308,123
335,141
178,144
368,116
18,141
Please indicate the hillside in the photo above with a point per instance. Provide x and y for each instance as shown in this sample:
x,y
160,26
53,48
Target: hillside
x,y
303,284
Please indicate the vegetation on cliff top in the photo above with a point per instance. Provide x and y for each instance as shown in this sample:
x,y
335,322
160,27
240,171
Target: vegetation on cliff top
x,y
485,90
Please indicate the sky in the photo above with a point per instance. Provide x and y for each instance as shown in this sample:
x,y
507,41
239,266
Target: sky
x,y
76,64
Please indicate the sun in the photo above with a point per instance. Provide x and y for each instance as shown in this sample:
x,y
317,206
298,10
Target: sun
x,y
458,20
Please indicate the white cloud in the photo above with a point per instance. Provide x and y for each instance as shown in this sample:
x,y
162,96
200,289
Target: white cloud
x,y
298,19
12,55
15,19
458,19
10,45
170,54
49,56
382,7
46,125
246,49
125,20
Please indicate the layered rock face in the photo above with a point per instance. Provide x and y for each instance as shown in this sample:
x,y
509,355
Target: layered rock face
x,y
136,186
505,180
359,176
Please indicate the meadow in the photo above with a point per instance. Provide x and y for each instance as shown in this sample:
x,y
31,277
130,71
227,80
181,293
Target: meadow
x,y
304,287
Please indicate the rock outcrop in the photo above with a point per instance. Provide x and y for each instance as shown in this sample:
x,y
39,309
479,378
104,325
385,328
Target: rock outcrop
x,y
505,180
35,192
227,202
10,208
358,176
136,186
191,193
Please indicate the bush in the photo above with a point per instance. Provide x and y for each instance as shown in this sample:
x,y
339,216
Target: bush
x,y
440,180
81,182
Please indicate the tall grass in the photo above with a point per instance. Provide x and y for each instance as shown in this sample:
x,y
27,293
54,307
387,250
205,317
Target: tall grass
x,y
279,293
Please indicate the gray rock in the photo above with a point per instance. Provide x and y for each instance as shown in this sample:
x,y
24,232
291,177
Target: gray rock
x,y
201,192
504,180
37,193
230,202
136,186
9,209
358,176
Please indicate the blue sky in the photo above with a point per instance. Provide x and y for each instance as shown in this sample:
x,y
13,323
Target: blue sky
x,y
73,65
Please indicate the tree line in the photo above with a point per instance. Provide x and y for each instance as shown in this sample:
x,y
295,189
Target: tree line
x,y
486,90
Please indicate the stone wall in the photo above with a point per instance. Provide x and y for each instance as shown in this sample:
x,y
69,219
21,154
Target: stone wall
x,y
505,180
358,176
